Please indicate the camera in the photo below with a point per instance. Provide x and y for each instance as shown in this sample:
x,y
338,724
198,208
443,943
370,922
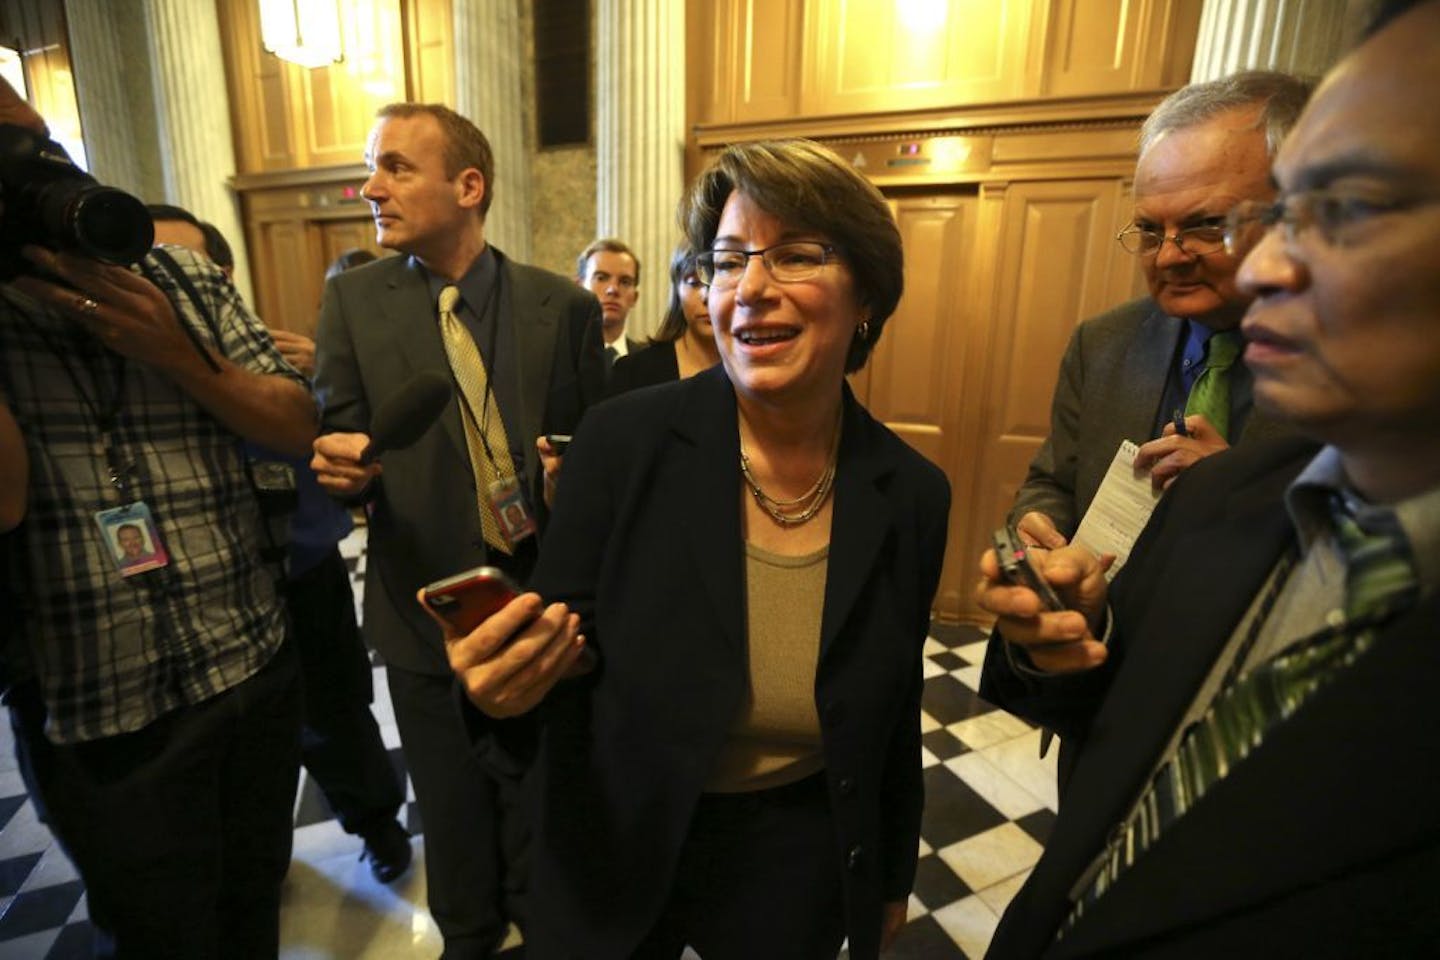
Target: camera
x,y
46,200
274,484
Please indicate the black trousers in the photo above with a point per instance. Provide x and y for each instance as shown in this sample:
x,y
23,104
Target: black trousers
x,y
181,831
475,831
759,877
341,745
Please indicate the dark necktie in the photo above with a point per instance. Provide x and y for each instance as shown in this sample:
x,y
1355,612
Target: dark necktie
x,y
1210,396
611,355
1379,582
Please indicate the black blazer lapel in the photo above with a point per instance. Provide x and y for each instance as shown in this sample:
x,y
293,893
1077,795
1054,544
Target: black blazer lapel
x,y
862,517
536,320
708,440
1343,786
1168,656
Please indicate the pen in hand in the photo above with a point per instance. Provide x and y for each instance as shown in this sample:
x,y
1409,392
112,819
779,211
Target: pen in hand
x,y
1179,419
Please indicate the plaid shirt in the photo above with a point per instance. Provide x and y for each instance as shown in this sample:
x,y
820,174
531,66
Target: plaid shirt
x,y
112,654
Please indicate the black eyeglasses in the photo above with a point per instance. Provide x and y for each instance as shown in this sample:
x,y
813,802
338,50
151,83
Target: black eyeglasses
x,y
1197,241
787,263
1330,215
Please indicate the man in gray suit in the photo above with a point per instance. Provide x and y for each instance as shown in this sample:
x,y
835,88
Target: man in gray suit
x,y
523,346
1204,149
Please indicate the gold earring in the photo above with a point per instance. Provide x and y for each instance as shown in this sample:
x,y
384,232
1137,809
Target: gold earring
x,y
862,332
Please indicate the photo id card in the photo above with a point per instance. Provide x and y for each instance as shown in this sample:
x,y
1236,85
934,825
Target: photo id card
x,y
133,539
507,501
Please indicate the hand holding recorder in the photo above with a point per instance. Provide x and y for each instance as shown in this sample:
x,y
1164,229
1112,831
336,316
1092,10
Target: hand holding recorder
x,y
552,448
507,649
1049,602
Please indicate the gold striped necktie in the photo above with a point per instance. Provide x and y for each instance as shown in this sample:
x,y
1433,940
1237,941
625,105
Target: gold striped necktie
x,y
485,438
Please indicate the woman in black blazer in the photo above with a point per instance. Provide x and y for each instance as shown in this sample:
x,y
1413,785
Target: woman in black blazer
x,y
740,567
685,343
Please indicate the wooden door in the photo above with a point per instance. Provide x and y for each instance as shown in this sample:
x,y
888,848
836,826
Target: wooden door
x,y
1052,263
908,382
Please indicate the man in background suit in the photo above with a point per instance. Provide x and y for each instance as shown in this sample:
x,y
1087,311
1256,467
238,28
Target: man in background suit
x,y
524,348
610,270
1204,149
1255,771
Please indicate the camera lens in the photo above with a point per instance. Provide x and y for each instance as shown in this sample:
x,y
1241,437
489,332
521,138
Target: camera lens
x,y
110,225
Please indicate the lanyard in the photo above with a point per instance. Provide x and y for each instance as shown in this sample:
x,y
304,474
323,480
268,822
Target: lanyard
x,y
104,406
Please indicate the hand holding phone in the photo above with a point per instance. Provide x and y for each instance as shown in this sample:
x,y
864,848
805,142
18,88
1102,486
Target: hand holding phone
x,y
1018,569
467,599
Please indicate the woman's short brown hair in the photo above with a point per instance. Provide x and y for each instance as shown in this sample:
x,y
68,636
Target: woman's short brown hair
x,y
809,186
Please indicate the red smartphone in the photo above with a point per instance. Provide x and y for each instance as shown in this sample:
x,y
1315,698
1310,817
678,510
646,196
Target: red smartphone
x,y
466,599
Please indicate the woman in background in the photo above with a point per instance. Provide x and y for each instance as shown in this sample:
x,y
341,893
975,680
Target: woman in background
x,y
685,343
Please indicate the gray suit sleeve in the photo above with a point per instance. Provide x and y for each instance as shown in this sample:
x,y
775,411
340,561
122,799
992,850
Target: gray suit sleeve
x,y
1049,485
339,387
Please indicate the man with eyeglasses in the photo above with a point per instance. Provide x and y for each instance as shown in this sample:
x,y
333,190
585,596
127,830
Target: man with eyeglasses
x,y
1127,373
1253,708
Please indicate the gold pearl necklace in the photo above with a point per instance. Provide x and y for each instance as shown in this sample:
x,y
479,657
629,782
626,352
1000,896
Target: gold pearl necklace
x,y
791,513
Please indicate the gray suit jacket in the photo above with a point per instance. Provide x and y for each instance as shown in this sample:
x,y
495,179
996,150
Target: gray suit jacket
x,y
1112,379
377,331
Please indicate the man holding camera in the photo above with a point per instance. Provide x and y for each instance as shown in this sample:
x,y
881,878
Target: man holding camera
x,y
155,709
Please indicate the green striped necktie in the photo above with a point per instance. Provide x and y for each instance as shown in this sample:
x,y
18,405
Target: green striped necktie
x,y
1379,582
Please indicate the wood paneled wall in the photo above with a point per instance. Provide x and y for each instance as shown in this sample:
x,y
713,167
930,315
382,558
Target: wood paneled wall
x,y
300,135
762,60
1003,132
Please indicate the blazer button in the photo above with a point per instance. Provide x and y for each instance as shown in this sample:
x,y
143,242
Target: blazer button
x,y
834,714
846,786
854,858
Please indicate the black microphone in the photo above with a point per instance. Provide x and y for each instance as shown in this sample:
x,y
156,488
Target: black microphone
x,y
407,414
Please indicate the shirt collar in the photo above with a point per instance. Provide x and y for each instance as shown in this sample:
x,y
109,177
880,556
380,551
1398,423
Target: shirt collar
x,y
1418,516
474,286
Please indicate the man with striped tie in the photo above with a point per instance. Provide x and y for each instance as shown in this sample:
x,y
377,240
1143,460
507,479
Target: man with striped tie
x,y
522,347
1250,703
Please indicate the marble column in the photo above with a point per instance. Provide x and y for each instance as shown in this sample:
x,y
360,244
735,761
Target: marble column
x,y
489,90
116,104
192,108
640,138
1297,36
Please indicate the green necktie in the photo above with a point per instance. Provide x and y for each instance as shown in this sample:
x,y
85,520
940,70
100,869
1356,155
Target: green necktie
x,y
1210,396
1379,582
1379,571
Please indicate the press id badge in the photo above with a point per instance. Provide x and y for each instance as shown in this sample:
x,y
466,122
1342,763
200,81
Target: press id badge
x,y
507,502
132,537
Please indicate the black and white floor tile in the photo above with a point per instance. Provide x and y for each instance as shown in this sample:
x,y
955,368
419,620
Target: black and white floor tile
x,y
990,803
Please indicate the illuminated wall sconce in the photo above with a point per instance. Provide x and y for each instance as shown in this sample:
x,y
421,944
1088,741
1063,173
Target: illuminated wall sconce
x,y
305,32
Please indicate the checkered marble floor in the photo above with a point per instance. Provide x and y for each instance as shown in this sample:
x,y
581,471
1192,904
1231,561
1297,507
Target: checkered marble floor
x,y
989,805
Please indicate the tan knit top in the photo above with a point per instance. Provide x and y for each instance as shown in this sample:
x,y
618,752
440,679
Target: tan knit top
x,y
775,739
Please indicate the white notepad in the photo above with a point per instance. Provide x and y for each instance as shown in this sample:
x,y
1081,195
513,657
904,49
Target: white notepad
x,y
1120,510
